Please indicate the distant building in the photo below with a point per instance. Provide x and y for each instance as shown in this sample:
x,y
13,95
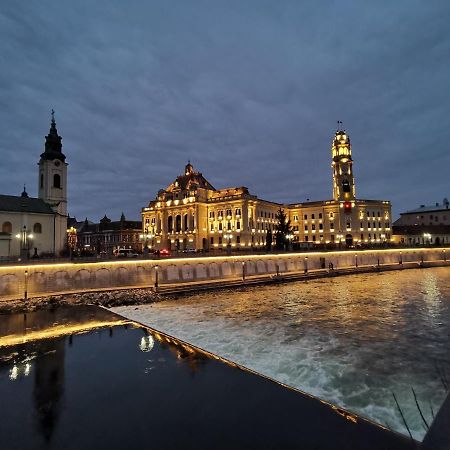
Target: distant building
x,y
191,214
106,235
424,225
38,226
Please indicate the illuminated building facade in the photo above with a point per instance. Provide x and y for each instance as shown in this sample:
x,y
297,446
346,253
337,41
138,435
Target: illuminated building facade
x,y
427,225
192,214
37,226
106,235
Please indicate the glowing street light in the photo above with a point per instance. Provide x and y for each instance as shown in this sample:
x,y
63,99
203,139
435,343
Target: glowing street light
x,y
25,240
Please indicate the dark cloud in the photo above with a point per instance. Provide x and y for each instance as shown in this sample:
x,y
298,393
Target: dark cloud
x,y
248,91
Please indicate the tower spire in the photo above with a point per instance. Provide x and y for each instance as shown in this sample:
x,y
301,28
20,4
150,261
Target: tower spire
x,y
53,145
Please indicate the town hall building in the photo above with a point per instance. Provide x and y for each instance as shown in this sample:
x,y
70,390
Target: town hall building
x,y
38,226
192,214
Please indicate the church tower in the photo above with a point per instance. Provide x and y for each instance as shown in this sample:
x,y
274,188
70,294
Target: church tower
x,y
342,165
53,172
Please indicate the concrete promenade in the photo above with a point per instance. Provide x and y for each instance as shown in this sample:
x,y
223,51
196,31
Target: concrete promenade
x,y
193,274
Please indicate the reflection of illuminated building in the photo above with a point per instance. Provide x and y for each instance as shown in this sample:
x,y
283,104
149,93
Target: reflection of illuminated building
x,y
191,214
49,384
21,369
147,343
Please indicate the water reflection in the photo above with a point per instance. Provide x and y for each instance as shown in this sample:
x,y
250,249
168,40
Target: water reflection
x,y
48,392
98,388
350,340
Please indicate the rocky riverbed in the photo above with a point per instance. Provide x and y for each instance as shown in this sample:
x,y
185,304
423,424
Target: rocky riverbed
x,y
104,298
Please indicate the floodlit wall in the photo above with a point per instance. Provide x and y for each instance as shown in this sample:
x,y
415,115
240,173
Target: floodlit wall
x,y
41,280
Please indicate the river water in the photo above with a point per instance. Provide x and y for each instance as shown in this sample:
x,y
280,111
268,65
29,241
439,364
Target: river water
x,y
351,340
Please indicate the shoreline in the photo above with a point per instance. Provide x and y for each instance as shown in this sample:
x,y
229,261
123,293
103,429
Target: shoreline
x,y
112,297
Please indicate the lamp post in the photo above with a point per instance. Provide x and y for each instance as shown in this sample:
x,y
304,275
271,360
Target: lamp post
x,y
71,240
427,238
25,239
289,238
156,278
228,236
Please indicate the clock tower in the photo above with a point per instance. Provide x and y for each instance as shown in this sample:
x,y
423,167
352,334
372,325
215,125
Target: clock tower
x,y
53,172
342,165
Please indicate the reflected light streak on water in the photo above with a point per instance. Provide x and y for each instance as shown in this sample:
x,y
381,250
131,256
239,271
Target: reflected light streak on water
x,y
351,340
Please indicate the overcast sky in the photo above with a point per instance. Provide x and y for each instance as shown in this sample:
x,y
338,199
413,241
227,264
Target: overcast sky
x,y
249,91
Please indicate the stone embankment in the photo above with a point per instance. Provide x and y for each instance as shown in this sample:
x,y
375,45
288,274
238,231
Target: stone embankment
x,y
107,299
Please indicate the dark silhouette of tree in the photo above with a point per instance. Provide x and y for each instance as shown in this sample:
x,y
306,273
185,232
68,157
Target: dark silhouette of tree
x,y
282,230
269,239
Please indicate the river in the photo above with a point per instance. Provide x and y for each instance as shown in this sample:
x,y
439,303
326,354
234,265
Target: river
x,y
351,340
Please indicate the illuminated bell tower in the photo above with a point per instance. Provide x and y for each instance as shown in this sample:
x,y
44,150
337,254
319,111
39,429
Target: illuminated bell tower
x,y
342,165
53,171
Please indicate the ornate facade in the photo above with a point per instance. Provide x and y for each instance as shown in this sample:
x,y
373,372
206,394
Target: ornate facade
x,y
192,214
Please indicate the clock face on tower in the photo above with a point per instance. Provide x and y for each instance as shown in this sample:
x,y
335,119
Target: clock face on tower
x,y
57,163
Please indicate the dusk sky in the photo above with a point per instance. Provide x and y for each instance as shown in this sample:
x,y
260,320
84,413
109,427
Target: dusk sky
x,y
249,91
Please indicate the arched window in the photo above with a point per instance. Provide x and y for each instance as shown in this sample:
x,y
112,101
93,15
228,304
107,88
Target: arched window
x,y
178,223
346,186
37,228
42,180
57,181
6,227
170,223
185,220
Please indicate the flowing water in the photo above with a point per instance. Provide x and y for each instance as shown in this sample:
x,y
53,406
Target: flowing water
x,y
352,340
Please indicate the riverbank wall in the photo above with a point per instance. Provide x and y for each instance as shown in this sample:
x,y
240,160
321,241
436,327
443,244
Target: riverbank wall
x,y
24,282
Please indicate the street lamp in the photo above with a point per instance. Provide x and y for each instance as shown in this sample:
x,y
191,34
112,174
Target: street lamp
x,y
289,237
71,240
229,237
25,239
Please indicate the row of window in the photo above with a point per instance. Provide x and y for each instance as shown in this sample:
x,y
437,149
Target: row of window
x,y
228,213
7,227
220,240
436,218
228,226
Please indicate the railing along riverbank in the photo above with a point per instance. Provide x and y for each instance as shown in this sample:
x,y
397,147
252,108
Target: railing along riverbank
x,y
37,280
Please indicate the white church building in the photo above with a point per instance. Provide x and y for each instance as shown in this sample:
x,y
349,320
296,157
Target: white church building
x,y
38,226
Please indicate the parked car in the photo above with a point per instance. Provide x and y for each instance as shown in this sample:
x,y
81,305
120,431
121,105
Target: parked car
x,y
164,252
125,253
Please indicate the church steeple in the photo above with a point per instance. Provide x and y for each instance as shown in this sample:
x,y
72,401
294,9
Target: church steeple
x,y
342,165
53,145
53,171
